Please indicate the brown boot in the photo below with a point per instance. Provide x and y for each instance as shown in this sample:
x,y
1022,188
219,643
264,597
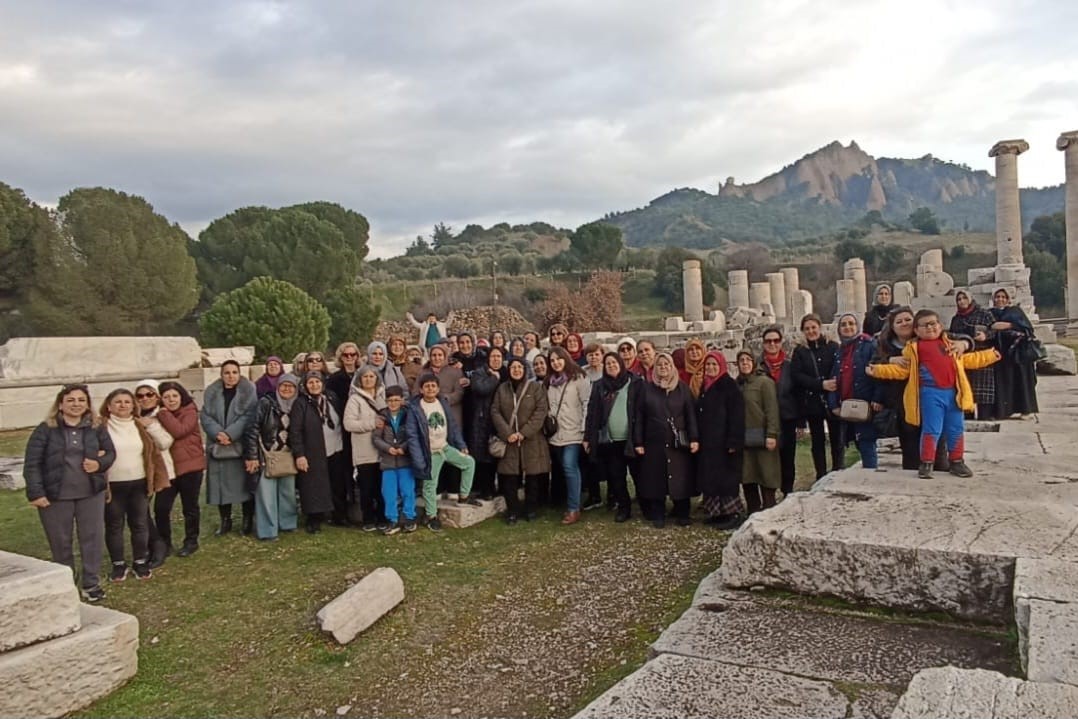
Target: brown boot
x,y
571,518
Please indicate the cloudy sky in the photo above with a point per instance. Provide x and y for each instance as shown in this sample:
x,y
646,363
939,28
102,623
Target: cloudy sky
x,y
416,112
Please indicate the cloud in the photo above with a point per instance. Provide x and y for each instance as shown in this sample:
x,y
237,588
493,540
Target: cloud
x,y
415,113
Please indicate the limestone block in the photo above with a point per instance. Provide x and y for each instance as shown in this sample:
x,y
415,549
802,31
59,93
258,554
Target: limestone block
x,y
362,604
759,295
1060,360
980,275
459,516
903,293
846,292
255,372
675,686
1051,642
800,305
38,601
854,269
65,359
980,694
202,377
692,290
1012,275
934,284
1046,334
11,473
777,280
675,324
25,406
738,282
718,318
932,260
215,356
954,554
53,678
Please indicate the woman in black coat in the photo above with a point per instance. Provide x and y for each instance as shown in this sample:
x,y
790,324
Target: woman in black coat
x,y
812,367
1016,375
882,305
720,419
665,438
484,383
314,434
607,429
974,321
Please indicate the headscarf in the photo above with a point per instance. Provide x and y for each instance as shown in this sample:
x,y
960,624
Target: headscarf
x,y
609,385
694,371
857,335
516,383
670,383
267,383
876,294
388,372
579,354
1011,313
375,345
286,404
320,402
972,305
743,377
723,369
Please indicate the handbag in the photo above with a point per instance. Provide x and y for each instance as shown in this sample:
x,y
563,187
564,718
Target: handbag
x,y
226,451
280,463
755,438
550,424
855,410
1029,351
496,446
886,423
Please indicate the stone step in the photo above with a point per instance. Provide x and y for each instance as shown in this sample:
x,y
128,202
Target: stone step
x,y
52,678
979,694
1046,612
459,516
38,601
919,553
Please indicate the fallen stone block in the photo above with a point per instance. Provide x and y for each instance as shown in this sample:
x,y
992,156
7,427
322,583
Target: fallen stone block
x,y
53,678
459,516
215,356
979,694
362,604
1046,581
675,686
1060,360
1051,642
11,473
63,359
950,554
38,601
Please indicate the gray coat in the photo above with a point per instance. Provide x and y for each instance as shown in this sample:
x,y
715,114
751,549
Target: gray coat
x,y
385,439
533,455
226,478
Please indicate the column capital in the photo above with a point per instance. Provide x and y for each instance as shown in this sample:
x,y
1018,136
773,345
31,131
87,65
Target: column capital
x,y
1067,139
1008,147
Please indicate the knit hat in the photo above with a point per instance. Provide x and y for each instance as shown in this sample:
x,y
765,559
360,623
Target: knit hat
x,y
627,341
151,383
290,378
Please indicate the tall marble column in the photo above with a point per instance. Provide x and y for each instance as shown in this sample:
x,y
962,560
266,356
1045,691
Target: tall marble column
x,y
778,293
738,282
854,269
1008,211
793,284
1068,142
692,285
845,291
759,295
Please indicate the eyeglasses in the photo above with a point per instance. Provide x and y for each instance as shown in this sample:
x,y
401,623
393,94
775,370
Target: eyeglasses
x,y
625,348
772,342
929,325
557,334
144,395
349,354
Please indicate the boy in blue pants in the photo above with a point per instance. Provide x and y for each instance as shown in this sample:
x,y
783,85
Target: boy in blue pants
x,y
398,483
937,393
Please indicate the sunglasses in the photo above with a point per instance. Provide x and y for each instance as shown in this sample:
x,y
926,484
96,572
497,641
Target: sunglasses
x,y
557,334
315,359
72,387
144,395
772,342
349,354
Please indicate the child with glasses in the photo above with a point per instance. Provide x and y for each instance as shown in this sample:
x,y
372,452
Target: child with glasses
x,y
937,393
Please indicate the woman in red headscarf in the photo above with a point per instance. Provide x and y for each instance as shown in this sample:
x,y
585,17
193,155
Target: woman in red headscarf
x,y
720,418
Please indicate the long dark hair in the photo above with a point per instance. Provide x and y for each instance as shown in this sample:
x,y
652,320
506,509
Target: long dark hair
x,y
887,335
572,369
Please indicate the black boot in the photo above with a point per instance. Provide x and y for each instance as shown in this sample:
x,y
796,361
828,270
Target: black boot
x,y
190,534
159,552
248,517
225,510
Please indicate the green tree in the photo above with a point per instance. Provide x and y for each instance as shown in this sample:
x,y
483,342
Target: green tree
x,y
668,278
1049,234
441,235
418,248
114,267
1047,277
304,245
273,315
457,266
597,244
24,227
924,220
848,249
353,316
889,258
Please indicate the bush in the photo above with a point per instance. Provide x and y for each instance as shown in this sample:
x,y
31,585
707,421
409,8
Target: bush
x,y
597,306
352,315
273,315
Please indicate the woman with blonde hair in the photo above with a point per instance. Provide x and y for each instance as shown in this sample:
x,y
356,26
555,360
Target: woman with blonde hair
x,y
67,458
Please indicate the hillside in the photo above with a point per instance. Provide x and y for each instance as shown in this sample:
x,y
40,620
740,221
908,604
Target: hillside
x,y
824,191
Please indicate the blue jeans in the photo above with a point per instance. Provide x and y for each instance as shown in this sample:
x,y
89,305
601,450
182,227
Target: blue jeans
x,y
569,459
399,484
941,417
275,506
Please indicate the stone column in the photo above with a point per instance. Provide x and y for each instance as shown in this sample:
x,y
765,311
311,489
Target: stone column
x,y
759,295
778,293
902,293
1008,212
738,281
692,283
793,284
801,304
1068,142
854,269
846,291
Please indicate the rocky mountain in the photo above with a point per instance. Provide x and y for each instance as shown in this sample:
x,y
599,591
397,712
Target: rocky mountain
x,y
823,191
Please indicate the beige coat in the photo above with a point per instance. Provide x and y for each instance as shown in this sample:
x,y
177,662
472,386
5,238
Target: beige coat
x,y
573,410
361,418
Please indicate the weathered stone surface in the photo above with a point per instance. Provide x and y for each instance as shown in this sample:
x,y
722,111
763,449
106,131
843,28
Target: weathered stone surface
x,y
979,694
1051,642
63,359
52,678
215,356
38,601
1049,582
11,473
362,604
921,553
823,645
459,516
675,686
1060,360
873,704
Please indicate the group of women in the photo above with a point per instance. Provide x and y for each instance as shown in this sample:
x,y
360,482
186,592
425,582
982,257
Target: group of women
x,y
555,423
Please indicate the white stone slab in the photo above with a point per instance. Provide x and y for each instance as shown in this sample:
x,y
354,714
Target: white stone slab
x,y
675,686
11,473
38,601
64,359
362,604
216,356
919,553
53,678
1046,579
1052,642
979,694
1060,360
459,516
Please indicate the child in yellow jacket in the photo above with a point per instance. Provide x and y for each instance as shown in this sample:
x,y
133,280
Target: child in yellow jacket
x,y
937,392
